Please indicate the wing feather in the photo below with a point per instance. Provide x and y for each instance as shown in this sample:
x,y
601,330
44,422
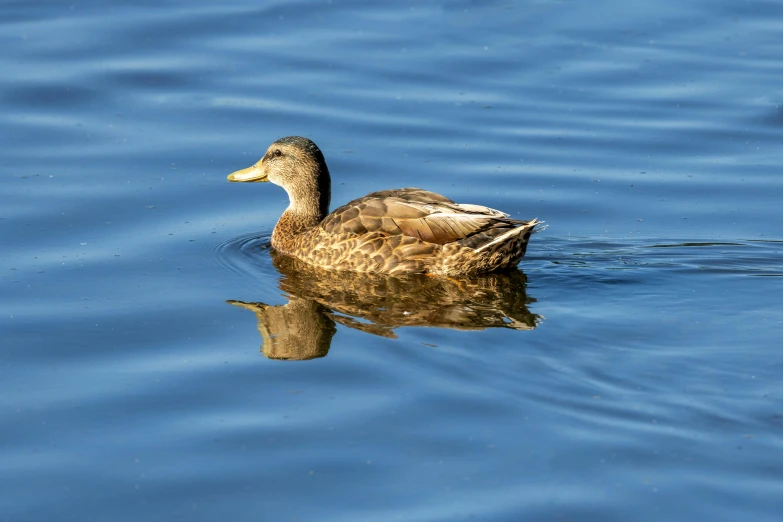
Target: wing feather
x,y
417,213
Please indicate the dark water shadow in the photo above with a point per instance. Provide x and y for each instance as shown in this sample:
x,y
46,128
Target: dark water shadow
x,y
377,304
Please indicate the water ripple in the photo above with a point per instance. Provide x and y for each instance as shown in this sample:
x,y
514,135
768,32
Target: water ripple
x,y
245,254
647,134
727,257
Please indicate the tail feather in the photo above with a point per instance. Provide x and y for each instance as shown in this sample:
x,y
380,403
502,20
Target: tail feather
x,y
540,226
530,226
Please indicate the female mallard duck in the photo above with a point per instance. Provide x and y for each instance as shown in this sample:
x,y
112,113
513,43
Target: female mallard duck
x,y
406,230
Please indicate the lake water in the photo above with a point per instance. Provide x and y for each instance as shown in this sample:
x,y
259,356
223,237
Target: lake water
x,y
630,371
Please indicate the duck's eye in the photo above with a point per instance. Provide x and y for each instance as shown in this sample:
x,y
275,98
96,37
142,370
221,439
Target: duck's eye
x,y
278,153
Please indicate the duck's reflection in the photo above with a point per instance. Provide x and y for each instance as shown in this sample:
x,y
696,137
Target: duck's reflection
x,y
377,304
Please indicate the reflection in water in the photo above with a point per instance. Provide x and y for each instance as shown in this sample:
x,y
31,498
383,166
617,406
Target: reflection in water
x,y
377,304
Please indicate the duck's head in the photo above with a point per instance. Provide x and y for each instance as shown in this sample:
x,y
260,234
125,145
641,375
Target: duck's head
x,y
297,165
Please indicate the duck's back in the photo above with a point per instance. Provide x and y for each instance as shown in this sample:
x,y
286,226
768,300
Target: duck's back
x,y
417,213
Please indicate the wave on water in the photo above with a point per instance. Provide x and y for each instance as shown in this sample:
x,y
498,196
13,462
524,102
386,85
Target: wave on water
x,y
728,257
245,254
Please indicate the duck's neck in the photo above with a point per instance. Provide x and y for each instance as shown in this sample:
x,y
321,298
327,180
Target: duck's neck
x,y
292,223
309,205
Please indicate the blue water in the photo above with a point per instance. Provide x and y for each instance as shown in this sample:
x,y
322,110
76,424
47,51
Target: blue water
x,y
630,371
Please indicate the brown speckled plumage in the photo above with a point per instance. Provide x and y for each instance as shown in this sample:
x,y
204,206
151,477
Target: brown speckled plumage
x,y
406,230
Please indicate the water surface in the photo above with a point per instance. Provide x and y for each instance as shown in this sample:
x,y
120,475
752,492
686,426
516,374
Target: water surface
x,y
629,371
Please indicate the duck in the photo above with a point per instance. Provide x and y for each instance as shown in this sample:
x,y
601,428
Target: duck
x,y
396,231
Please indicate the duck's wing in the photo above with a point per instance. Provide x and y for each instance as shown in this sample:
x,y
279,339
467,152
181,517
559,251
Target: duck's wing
x,y
410,194
417,213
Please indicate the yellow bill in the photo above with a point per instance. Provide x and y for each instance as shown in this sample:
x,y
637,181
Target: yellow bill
x,y
254,173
